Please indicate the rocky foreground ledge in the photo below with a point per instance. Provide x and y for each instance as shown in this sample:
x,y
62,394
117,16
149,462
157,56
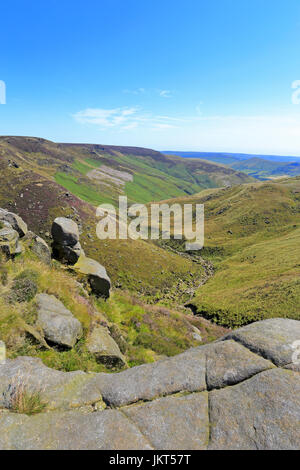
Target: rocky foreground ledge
x,y
242,392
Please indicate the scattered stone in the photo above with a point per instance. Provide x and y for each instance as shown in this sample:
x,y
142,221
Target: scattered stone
x,y
97,275
104,348
196,334
9,242
39,247
58,324
66,246
65,232
117,335
15,221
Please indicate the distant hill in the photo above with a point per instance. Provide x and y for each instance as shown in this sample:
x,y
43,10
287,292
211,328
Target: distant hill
x,y
264,169
227,158
260,167
100,173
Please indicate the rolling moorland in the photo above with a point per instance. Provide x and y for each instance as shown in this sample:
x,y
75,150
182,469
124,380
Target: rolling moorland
x,y
143,274
261,167
247,271
158,362
252,233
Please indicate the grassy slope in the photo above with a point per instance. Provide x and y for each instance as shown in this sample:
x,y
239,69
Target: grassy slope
x,y
155,176
148,332
252,235
135,265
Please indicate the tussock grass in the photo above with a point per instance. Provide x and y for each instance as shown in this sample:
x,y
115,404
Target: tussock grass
x,y
19,399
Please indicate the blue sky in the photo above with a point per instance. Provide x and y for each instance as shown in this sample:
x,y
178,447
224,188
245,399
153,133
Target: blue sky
x,y
186,75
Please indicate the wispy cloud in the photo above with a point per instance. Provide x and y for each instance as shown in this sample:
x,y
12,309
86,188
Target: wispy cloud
x,y
165,93
124,118
137,91
251,134
149,91
105,117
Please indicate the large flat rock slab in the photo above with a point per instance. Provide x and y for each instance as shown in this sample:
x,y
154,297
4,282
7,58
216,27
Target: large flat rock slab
x,y
185,372
57,389
260,413
218,396
229,363
107,430
179,423
273,339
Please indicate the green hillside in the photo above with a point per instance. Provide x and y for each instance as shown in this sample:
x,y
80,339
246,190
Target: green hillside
x,y
100,174
252,235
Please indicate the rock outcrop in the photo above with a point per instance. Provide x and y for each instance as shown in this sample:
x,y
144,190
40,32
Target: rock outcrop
x,y
9,242
12,228
96,274
39,247
67,248
238,393
15,222
57,322
66,245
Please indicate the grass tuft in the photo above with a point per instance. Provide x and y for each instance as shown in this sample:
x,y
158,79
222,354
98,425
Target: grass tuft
x,y
19,399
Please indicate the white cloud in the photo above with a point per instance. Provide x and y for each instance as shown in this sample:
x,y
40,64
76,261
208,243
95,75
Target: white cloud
x,y
123,118
278,134
137,91
165,93
105,117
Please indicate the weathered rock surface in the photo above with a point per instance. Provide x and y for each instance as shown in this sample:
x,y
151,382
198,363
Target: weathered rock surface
x,y
97,275
15,221
272,338
229,363
217,396
66,246
260,413
185,372
58,389
65,231
104,348
38,246
173,422
9,242
58,323
71,430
